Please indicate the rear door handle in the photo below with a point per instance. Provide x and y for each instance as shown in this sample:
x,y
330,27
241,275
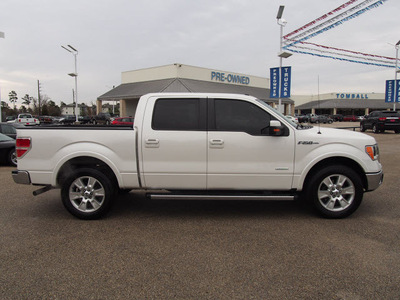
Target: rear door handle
x,y
152,143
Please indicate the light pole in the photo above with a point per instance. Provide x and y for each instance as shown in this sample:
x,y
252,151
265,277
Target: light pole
x,y
1,116
282,23
396,89
75,75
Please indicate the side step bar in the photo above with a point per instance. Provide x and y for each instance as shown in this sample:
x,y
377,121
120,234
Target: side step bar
x,y
220,197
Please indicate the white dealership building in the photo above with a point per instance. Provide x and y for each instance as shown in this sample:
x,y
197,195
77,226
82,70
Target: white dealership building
x,y
183,78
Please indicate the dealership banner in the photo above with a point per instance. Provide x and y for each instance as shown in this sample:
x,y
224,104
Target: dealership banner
x,y
280,82
392,93
274,83
286,75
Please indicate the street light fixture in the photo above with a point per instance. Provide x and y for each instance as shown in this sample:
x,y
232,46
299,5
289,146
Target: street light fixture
x,y
282,54
72,50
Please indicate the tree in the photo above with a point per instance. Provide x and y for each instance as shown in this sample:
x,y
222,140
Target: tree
x,y
27,100
13,98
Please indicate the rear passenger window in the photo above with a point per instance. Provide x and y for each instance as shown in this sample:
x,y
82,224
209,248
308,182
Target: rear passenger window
x,y
176,114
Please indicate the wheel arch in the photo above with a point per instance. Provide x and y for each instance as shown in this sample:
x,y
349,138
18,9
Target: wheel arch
x,y
85,162
334,161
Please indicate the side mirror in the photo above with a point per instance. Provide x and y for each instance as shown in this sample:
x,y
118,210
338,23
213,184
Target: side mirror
x,y
275,128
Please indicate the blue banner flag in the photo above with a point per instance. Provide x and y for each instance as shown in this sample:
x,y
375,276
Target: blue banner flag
x,y
286,78
392,93
274,83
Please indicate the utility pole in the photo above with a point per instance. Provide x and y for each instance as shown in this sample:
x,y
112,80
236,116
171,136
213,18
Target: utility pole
x,y
396,87
1,116
38,91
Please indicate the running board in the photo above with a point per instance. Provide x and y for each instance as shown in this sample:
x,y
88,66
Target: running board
x,y
220,197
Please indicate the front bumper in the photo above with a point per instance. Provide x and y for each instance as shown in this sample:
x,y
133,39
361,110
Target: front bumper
x,y
21,177
374,180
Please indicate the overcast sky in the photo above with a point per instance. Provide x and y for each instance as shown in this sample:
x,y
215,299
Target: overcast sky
x,y
229,35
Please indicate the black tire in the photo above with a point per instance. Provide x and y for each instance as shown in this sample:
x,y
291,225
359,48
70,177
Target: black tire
x,y
397,131
341,197
87,194
108,122
362,128
12,157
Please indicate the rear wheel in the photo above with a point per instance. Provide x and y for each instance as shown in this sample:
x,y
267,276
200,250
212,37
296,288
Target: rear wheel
x,y
12,158
335,191
87,194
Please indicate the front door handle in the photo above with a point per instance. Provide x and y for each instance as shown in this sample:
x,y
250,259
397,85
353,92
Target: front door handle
x,y
216,143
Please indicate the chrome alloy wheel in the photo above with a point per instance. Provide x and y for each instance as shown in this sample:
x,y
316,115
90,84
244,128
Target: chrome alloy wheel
x,y
336,192
86,194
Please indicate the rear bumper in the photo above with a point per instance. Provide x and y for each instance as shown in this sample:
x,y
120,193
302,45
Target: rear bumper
x,y
374,180
21,177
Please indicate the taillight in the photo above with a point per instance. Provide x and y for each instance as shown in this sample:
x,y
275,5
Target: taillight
x,y
22,146
382,119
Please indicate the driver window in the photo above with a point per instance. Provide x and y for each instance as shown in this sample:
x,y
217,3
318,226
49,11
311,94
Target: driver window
x,y
236,115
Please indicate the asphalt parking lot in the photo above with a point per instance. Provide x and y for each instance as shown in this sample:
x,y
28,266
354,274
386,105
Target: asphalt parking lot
x,y
201,249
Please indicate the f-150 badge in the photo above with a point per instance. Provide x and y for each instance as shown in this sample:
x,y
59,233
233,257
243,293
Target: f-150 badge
x,y
307,143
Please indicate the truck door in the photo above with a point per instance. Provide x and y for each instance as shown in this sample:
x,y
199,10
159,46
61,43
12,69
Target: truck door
x,y
174,143
240,156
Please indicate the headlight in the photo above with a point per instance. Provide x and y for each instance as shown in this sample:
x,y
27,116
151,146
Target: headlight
x,y
372,151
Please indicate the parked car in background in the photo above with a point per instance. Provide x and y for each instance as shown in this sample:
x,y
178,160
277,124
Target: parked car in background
x,y
302,118
45,119
9,129
10,119
324,119
68,119
123,121
7,150
313,118
102,118
293,119
337,118
84,119
379,121
27,119
350,118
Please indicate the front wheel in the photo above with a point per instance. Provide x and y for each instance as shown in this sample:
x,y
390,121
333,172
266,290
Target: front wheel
x,y
335,191
362,128
87,194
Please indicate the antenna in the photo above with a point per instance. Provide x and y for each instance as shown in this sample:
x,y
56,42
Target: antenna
x,y
319,109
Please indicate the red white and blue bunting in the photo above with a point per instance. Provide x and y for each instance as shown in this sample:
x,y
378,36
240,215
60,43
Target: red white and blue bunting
x,y
295,40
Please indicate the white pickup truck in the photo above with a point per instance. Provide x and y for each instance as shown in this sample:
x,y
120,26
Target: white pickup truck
x,y
26,119
201,146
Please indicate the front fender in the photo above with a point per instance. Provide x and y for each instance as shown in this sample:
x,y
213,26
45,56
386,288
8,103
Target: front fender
x,y
307,158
